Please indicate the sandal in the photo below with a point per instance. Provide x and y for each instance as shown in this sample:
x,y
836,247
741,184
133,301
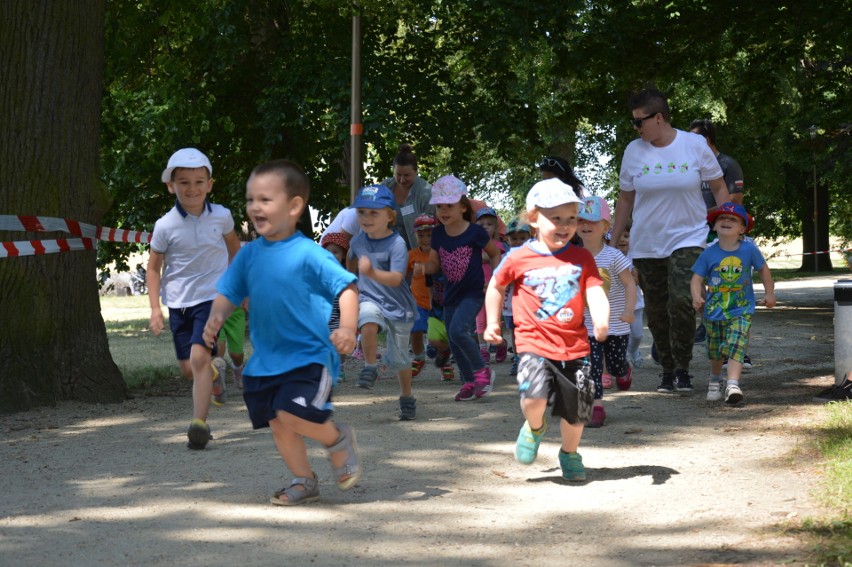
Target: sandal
x,y
309,493
352,467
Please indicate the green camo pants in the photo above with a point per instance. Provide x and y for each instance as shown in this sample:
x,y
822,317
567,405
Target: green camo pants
x,y
668,305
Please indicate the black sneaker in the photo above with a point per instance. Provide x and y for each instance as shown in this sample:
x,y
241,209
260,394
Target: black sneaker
x,y
667,383
837,393
683,381
700,334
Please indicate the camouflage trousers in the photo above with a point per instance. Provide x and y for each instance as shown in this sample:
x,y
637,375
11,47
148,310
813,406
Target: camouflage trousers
x,y
668,305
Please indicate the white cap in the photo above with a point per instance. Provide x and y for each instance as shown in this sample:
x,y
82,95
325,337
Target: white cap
x,y
186,157
550,193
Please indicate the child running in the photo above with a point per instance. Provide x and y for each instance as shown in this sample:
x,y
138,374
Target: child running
x,y
552,280
338,244
620,288
291,283
726,268
517,233
190,249
637,327
457,248
487,218
423,226
379,254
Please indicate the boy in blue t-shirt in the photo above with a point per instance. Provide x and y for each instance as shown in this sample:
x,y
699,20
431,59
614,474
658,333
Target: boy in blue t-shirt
x,y
190,249
726,267
291,283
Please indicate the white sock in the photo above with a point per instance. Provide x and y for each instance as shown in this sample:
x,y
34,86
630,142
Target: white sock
x,y
734,383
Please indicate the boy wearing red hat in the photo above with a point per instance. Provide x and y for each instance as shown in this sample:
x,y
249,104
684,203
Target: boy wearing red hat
x,y
726,268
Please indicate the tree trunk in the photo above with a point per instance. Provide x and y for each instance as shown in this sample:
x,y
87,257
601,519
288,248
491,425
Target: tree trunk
x,y
53,342
818,262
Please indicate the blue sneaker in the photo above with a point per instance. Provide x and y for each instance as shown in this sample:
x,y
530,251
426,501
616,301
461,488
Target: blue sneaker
x,y
368,376
526,447
572,466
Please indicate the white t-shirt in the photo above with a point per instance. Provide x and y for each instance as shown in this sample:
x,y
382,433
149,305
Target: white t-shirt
x,y
669,211
345,221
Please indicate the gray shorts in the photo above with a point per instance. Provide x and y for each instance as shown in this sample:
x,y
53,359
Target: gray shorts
x,y
398,334
564,384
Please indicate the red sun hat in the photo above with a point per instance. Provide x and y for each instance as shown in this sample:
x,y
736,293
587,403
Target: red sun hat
x,y
732,209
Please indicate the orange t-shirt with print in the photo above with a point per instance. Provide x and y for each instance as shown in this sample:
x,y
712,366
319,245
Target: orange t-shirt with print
x,y
418,283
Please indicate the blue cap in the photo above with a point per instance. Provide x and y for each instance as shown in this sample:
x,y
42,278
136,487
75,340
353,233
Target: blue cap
x,y
485,212
374,197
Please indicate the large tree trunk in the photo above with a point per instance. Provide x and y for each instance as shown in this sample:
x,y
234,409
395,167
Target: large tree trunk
x,y
819,262
53,343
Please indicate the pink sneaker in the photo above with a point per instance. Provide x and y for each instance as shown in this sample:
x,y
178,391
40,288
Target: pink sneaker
x,y
598,417
624,382
502,351
606,379
358,354
482,381
466,393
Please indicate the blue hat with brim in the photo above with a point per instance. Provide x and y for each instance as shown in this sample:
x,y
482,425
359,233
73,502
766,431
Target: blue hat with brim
x,y
374,197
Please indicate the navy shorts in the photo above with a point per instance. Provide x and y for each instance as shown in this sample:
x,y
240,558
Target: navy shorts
x,y
187,325
304,392
421,324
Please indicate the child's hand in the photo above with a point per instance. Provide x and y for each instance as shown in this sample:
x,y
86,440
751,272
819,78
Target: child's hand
x,y
211,329
343,340
492,334
601,332
628,317
156,323
365,267
769,300
418,270
697,303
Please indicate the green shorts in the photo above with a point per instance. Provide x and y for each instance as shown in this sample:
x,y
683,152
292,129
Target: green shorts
x,y
234,332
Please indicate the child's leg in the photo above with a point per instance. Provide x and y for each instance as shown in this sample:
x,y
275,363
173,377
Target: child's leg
x,y
637,328
370,342
615,354
458,319
202,380
533,410
571,435
397,337
597,361
417,345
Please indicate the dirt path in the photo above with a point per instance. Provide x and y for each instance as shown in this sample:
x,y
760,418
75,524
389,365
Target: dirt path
x,y
672,480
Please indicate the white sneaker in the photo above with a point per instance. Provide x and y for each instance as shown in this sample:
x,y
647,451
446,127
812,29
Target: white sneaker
x,y
714,392
733,394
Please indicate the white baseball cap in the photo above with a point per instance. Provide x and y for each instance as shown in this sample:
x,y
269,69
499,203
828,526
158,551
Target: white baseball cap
x,y
186,157
550,193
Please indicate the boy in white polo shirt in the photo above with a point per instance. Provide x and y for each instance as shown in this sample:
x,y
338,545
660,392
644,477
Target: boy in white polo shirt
x,y
191,247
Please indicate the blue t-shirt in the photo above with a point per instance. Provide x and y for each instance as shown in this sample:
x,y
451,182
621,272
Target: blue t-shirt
x,y
727,275
461,261
291,285
388,254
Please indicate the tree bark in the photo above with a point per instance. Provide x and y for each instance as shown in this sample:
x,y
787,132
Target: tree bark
x,y
53,343
822,263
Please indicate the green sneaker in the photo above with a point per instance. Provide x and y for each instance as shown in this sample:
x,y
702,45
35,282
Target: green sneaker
x,y
572,466
198,434
526,447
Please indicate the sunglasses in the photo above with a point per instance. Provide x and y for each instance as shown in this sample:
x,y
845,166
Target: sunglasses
x,y
637,122
552,163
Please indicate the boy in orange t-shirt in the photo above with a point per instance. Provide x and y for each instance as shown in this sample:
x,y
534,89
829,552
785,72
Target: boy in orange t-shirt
x,y
419,288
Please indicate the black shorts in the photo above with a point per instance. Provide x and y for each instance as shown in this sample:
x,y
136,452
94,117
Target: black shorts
x,y
565,384
304,392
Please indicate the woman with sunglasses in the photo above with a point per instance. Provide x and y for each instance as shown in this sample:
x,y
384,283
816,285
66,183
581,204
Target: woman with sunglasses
x,y
554,166
661,175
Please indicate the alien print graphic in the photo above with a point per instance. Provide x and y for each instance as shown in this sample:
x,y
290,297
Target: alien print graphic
x,y
727,275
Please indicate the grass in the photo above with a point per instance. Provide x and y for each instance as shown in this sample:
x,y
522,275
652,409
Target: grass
x,y
786,274
832,534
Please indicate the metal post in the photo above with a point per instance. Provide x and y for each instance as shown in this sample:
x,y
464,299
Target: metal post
x,y
356,129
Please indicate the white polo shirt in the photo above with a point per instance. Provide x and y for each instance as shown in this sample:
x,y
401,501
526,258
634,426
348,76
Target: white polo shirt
x,y
195,253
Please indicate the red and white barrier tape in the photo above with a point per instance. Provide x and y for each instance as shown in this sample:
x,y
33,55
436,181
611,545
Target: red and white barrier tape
x,y
90,233
36,247
788,255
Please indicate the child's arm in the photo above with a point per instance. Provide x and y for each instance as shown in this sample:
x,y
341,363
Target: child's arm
x,y
493,308
155,266
599,309
232,243
768,286
384,277
630,296
352,264
343,337
433,266
219,312
495,254
696,288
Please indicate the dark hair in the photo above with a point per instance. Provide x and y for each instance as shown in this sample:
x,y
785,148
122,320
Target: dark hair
x,y
653,101
468,212
405,156
562,169
705,127
293,177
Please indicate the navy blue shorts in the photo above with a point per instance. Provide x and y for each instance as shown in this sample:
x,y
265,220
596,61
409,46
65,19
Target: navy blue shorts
x,y
421,324
187,325
304,392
